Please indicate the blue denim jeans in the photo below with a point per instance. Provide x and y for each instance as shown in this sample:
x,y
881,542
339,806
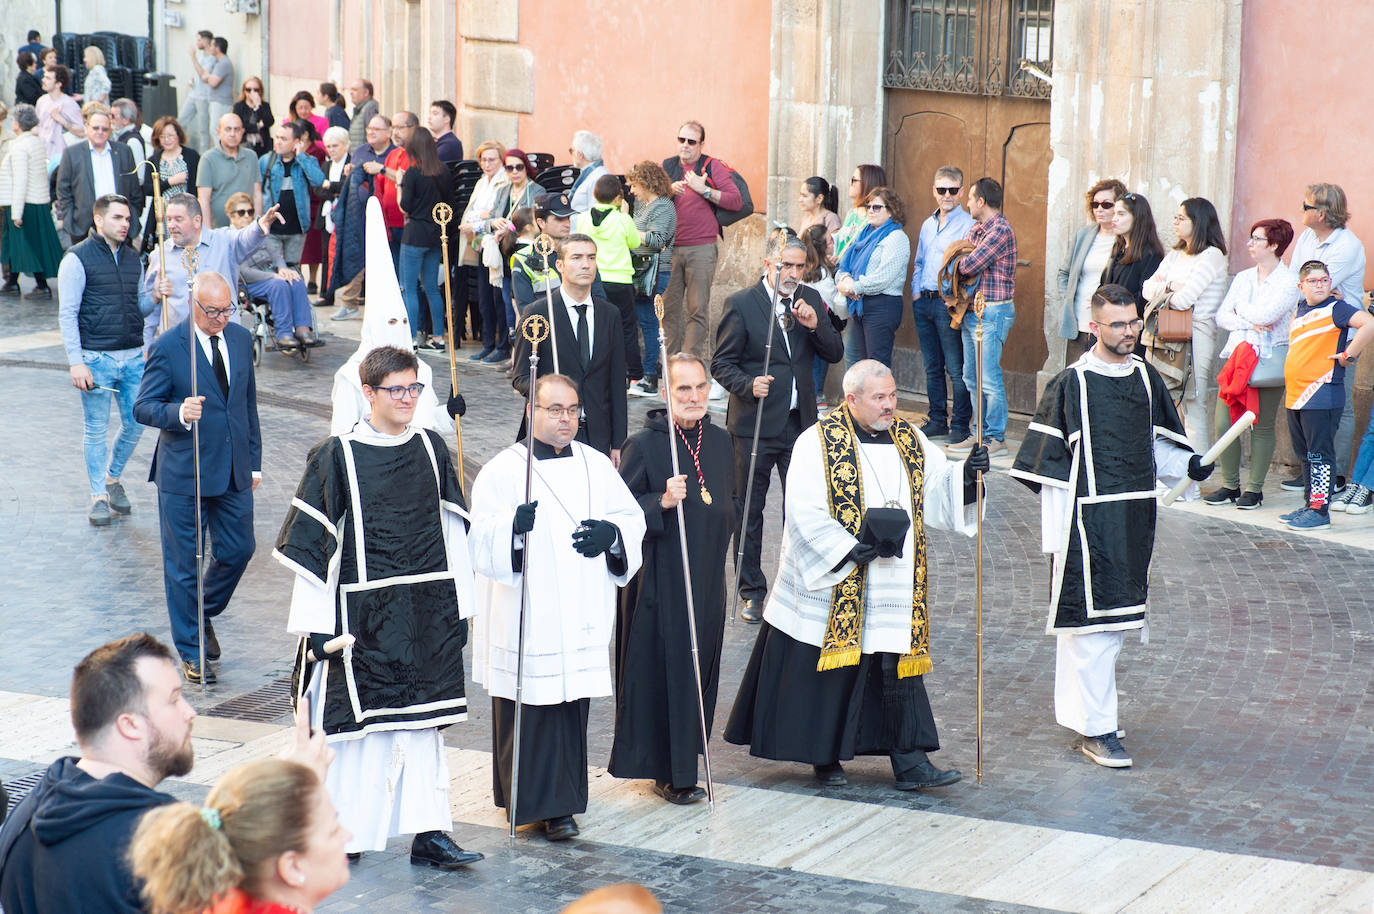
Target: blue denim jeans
x,y
123,376
288,300
876,329
420,267
942,349
1362,473
648,327
997,321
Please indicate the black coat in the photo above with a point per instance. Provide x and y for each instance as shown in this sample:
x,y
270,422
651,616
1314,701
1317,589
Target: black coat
x,y
28,88
740,342
1132,277
601,384
192,160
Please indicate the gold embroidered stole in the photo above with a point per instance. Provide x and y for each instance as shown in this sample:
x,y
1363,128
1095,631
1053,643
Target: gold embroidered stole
x,y
844,496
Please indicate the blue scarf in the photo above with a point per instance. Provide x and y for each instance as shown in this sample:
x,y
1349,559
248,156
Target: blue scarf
x,y
856,256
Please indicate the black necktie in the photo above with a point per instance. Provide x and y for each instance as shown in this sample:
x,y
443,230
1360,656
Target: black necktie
x,y
217,362
584,337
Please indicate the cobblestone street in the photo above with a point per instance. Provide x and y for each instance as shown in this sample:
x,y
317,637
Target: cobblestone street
x,y
1249,711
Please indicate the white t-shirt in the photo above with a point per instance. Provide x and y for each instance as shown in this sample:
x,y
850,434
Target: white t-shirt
x,y
1091,277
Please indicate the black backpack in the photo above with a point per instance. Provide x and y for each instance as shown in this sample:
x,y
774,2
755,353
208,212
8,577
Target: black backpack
x,y
724,217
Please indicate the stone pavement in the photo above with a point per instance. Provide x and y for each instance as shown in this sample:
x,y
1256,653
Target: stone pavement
x,y
1248,712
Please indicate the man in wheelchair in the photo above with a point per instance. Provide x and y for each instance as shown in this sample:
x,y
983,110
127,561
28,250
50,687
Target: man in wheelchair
x,y
266,275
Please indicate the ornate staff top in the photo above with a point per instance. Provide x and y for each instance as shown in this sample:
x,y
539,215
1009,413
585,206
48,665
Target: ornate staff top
x,y
443,215
190,259
535,329
543,246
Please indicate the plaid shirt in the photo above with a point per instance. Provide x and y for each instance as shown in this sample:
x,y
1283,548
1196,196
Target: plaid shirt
x,y
994,256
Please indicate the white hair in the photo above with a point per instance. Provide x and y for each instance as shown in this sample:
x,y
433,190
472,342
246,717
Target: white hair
x,y
859,374
587,144
336,133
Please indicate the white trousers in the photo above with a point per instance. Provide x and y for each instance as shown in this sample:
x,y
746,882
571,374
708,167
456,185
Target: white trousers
x,y
1085,682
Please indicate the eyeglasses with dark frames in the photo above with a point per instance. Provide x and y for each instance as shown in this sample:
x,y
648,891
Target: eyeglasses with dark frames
x,y
243,212
216,313
876,207
948,191
1104,204
517,166
688,141
1309,206
401,391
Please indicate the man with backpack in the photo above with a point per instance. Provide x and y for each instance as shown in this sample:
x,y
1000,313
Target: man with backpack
x,y
707,195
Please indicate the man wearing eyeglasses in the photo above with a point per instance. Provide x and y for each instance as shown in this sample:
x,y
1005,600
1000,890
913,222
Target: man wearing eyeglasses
x,y
942,347
376,539
1104,433
230,459
92,169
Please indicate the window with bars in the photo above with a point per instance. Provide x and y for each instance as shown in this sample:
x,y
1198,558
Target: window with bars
x,y
972,47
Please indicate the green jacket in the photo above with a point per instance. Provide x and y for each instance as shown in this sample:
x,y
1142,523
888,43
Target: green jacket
x,y
615,235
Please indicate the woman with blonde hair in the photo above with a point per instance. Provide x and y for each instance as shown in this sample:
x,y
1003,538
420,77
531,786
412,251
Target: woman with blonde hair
x,y
267,841
97,84
477,226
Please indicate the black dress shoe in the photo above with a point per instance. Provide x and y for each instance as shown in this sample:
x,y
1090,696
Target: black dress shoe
x,y
191,670
752,612
355,856
211,642
927,775
561,828
679,796
934,429
439,850
831,775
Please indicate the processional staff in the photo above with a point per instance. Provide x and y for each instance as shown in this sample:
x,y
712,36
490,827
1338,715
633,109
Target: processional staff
x,y
190,259
979,304
443,215
543,246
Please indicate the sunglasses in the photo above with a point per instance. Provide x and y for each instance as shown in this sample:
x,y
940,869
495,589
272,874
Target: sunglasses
x,y
876,207
948,191
689,142
518,166
243,212
1308,206
1103,204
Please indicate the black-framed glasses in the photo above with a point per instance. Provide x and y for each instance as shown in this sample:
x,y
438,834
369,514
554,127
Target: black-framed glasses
x,y
517,166
1103,204
876,207
243,212
559,412
1309,206
948,191
1122,326
401,391
216,313
688,141
1258,239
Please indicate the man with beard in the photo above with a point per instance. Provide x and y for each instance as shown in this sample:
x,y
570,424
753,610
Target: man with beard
x,y
61,851
657,729
839,666
1105,431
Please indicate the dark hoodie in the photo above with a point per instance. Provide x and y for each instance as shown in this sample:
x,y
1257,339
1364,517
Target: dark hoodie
x,y
63,848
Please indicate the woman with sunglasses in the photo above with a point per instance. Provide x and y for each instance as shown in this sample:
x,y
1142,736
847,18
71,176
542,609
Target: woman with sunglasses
x,y
519,191
1081,274
256,114
864,181
871,274
1194,277
1136,252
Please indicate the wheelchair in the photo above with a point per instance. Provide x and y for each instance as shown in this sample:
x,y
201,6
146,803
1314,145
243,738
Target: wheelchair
x,y
258,321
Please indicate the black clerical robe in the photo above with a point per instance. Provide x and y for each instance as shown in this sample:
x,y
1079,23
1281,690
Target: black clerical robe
x,y
657,725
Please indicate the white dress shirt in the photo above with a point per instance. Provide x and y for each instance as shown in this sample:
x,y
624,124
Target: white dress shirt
x,y
782,327
571,304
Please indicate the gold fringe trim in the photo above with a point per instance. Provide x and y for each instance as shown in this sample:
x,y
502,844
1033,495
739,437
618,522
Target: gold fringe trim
x,y
833,659
913,665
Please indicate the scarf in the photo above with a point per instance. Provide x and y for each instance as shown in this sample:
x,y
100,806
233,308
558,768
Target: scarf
x,y
843,643
856,256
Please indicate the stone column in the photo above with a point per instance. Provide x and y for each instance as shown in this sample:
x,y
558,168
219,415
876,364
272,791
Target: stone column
x,y
1146,91
497,82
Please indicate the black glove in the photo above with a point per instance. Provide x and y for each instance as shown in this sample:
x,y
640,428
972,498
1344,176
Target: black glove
x,y
977,462
317,641
1197,470
456,405
594,537
524,518
862,554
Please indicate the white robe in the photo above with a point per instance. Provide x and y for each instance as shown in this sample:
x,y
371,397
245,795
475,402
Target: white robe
x,y
813,542
571,613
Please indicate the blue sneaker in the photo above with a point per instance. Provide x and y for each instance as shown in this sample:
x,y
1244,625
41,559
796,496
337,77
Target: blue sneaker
x,y
1310,519
481,356
1285,518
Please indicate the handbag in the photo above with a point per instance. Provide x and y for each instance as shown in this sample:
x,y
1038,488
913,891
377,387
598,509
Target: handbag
x,y
1168,325
1269,369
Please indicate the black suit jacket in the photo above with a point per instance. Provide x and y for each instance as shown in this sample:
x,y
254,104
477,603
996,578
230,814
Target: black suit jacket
x,y
740,341
76,187
601,384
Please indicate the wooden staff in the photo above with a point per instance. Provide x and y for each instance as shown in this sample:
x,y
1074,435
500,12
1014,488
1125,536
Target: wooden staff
x,y
160,214
979,304
534,329
543,246
190,259
682,543
443,215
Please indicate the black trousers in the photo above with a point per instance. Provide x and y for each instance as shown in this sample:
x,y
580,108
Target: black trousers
x,y
773,453
622,295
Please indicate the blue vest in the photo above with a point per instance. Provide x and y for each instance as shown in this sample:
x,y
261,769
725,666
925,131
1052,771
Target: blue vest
x,y
109,317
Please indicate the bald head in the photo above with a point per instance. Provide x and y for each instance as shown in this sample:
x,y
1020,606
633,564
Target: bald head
x,y
210,292
230,132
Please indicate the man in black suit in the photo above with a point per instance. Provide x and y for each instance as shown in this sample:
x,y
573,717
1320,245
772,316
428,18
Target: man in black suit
x,y
92,169
800,332
230,459
591,349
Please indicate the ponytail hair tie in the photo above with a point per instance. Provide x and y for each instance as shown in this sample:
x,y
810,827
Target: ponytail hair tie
x,y
211,817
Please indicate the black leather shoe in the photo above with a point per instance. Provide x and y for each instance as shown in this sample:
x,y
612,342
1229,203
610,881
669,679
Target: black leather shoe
x,y
211,642
561,828
934,429
679,796
191,670
439,850
927,775
752,612
831,775
355,856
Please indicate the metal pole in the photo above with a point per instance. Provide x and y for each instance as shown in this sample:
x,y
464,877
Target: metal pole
x,y
443,214
754,447
543,246
686,568
978,306
534,329
190,259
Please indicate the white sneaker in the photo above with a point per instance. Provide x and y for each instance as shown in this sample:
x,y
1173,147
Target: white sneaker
x,y
717,392
1360,502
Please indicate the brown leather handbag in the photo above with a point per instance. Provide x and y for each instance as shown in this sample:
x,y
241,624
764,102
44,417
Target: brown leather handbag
x,y
1169,325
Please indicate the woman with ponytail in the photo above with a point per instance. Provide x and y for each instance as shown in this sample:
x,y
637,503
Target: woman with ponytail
x,y
267,841
818,201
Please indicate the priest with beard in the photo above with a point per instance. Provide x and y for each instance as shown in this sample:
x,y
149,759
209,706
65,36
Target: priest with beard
x,y
376,539
657,723
580,534
839,666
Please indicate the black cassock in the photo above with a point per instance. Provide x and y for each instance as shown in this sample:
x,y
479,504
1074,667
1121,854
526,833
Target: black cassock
x,y
657,728
1094,436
